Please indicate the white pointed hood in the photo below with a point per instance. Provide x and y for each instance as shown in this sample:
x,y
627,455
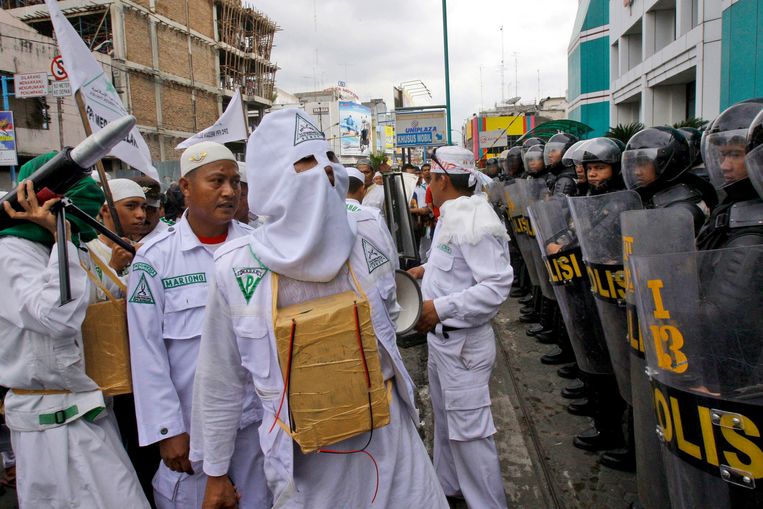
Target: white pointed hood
x,y
307,236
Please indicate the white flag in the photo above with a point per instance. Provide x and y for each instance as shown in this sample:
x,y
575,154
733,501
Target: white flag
x,y
102,103
231,126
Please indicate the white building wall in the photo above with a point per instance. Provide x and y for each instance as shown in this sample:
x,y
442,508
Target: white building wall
x,y
657,47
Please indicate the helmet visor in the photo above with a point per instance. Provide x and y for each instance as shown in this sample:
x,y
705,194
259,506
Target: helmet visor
x,y
754,160
725,157
640,168
534,161
553,152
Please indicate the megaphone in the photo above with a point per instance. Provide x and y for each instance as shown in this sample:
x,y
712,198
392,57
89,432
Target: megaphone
x,y
410,301
69,166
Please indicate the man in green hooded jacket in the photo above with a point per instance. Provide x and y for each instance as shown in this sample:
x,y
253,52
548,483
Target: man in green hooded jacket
x,y
67,447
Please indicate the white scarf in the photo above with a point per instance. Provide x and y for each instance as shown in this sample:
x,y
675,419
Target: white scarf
x,y
307,236
467,219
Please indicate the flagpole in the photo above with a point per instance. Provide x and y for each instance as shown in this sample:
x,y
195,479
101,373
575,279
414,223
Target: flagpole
x,y
243,109
99,167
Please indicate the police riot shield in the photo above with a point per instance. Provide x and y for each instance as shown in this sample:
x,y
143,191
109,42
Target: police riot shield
x,y
648,232
397,213
515,193
535,190
597,220
699,313
563,261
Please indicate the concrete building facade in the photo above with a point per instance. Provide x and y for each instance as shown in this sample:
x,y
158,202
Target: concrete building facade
x,y
175,63
588,93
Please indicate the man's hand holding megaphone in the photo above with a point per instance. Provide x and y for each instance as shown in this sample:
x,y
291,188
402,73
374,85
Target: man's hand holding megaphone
x,y
33,211
429,317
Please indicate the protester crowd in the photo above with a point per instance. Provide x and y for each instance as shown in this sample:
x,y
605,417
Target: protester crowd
x,y
261,309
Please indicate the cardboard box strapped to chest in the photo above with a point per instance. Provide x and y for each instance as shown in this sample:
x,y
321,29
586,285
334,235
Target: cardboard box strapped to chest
x,y
105,340
328,378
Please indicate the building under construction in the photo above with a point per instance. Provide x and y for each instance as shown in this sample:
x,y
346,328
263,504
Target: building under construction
x,y
176,63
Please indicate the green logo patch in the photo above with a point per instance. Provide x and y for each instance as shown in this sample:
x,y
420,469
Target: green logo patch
x,y
445,248
144,267
374,257
184,280
142,293
352,207
248,279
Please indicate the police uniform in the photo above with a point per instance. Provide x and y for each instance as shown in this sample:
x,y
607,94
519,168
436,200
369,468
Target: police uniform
x,y
169,284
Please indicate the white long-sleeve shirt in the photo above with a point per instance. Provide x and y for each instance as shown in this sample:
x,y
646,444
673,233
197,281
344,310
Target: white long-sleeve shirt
x,y
467,282
167,296
40,340
238,343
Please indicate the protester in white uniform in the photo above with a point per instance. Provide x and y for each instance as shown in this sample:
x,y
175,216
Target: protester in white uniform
x,y
169,285
307,240
371,224
130,205
375,196
67,446
467,278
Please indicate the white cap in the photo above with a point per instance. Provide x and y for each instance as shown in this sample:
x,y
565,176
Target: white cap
x,y
377,174
456,161
242,171
121,189
203,153
355,173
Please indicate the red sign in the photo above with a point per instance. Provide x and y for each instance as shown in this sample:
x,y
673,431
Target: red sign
x,y
57,68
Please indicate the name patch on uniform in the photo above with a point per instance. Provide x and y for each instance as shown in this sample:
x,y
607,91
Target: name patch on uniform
x,y
248,279
184,280
142,293
445,248
374,257
352,208
144,267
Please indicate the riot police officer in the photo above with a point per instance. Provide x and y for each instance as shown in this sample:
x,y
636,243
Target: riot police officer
x,y
655,164
513,168
563,179
601,160
737,219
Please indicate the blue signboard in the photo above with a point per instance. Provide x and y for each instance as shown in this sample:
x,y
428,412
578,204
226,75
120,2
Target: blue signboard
x,y
7,140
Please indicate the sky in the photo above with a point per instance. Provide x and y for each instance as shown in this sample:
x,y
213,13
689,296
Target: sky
x,y
375,45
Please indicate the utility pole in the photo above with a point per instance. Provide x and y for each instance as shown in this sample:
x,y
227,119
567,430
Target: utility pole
x,y
482,92
447,65
503,77
516,75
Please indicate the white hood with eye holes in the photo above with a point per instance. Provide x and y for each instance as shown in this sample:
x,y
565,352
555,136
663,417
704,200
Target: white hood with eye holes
x,y
307,236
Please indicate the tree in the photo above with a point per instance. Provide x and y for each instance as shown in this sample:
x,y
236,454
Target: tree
x,y
695,122
377,159
624,132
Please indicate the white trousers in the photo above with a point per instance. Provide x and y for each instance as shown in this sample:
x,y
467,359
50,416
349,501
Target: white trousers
x,y
176,490
465,456
78,465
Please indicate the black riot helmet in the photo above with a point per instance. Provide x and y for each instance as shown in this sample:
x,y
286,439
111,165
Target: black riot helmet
x,y
533,159
694,138
726,143
555,148
574,155
754,157
655,154
491,167
603,150
530,142
514,165
607,151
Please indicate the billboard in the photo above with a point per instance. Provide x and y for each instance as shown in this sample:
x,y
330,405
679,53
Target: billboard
x,y
421,128
354,129
7,140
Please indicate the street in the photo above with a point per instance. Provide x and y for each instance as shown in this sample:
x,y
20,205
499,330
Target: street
x,y
541,468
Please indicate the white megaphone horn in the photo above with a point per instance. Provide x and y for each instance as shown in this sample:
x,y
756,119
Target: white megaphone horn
x,y
410,302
